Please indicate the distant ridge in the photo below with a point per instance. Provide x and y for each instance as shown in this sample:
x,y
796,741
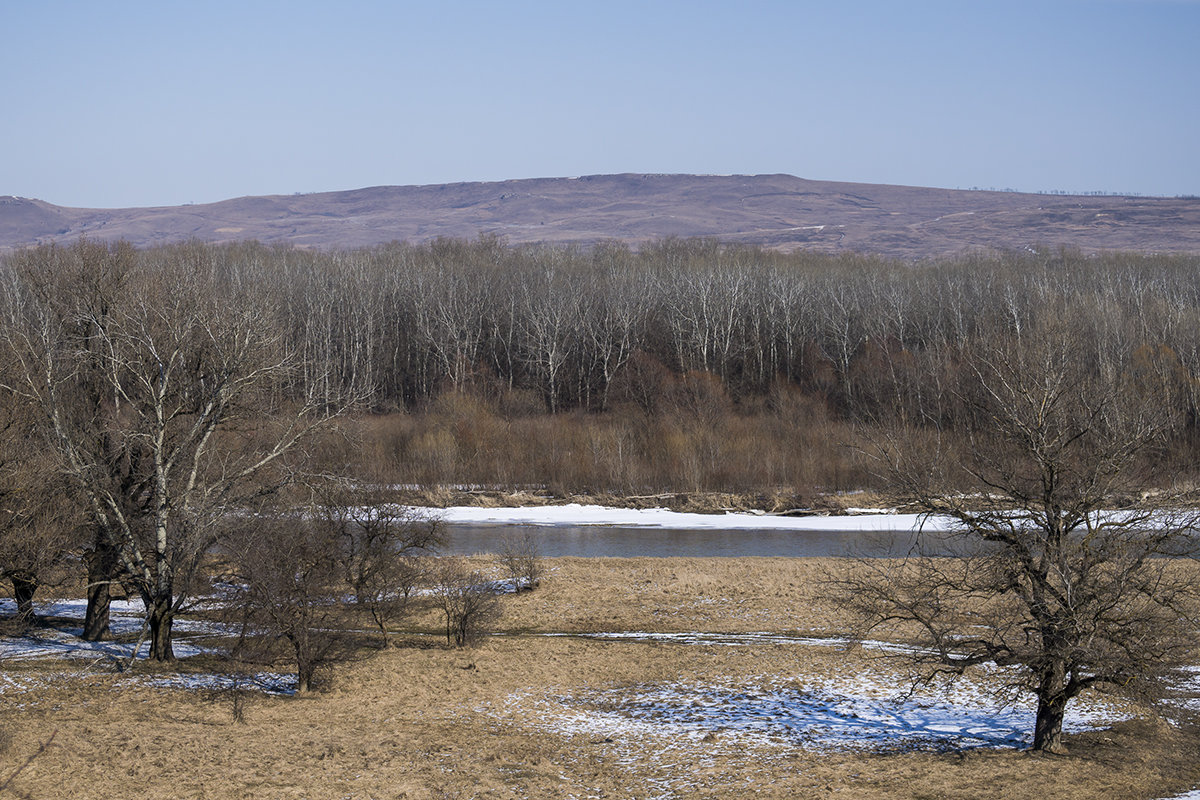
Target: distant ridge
x,y
774,211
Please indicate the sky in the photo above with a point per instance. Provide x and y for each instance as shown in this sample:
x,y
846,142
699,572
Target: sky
x,y
160,103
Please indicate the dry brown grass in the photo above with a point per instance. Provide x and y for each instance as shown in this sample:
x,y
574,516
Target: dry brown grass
x,y
460,439
678,594
777,501
424,721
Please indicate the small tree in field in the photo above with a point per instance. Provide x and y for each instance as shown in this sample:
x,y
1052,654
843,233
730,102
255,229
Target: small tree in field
x,y
521,559
289,584
383,549
467,600
1064,573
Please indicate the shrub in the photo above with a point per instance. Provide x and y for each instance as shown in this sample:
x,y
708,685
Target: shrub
x,y
520,558
468,600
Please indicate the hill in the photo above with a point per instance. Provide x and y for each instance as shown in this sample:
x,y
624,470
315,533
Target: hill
x,y
776,211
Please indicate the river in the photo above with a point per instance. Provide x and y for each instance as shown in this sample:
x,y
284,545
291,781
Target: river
x,y
595,541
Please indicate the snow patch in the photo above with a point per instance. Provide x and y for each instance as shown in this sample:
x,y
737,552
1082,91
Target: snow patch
x,y
272,683
126,618
867,711
575,514
66,643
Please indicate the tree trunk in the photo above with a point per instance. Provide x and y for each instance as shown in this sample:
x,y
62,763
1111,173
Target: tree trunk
x,y
23,588
95,619
1047,734
101,570
381,621
305,667
304,678
159,617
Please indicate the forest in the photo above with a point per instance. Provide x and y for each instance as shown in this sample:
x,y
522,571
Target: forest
x,y
684,366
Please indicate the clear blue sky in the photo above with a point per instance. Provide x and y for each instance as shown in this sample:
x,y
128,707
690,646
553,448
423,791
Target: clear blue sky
x,y
147,103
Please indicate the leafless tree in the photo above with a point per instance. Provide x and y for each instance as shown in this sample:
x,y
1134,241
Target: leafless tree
x,y
707,308
520,558
39,522
467,599
611,322
65,295
843,329
1063,569
384,549
449,320
550,328
185,367
287,585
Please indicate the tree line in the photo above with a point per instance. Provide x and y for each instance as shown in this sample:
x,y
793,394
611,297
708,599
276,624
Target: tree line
x,y
686,365
586,328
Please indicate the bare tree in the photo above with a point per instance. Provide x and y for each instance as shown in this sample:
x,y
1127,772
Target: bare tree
x,y
288,582
705,315
39,522
1063,569
520,558
467,599
450,321
550,327
186,368
383,549
66,295
840,307
610,322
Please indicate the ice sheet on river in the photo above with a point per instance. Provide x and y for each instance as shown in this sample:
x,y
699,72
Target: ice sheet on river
x,y
575,514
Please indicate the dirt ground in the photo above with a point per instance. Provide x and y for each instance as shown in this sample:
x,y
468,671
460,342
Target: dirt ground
x,y
420,720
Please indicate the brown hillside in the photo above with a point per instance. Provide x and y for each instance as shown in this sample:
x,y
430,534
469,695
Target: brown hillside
x,y
775,211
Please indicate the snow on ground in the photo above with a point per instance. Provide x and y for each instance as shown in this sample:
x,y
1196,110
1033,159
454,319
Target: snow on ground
x,y
716,639
675,733
125,620
871,709
865,711
667,724
65,643
11,684
1187,690
855,520
742,639
276,683
580,515
662,726
125,616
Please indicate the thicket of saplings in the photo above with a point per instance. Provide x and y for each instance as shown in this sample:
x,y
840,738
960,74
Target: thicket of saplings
x,y
154,394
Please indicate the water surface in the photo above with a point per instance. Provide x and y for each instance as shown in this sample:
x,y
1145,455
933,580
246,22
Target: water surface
x,y
595,541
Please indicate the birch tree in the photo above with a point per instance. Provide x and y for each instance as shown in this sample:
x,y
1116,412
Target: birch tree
x,y
188,419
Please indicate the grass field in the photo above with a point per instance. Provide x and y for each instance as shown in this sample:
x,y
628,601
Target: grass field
x,y
657,712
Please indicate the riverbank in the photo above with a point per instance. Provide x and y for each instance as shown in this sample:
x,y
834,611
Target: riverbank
x,y
778,502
